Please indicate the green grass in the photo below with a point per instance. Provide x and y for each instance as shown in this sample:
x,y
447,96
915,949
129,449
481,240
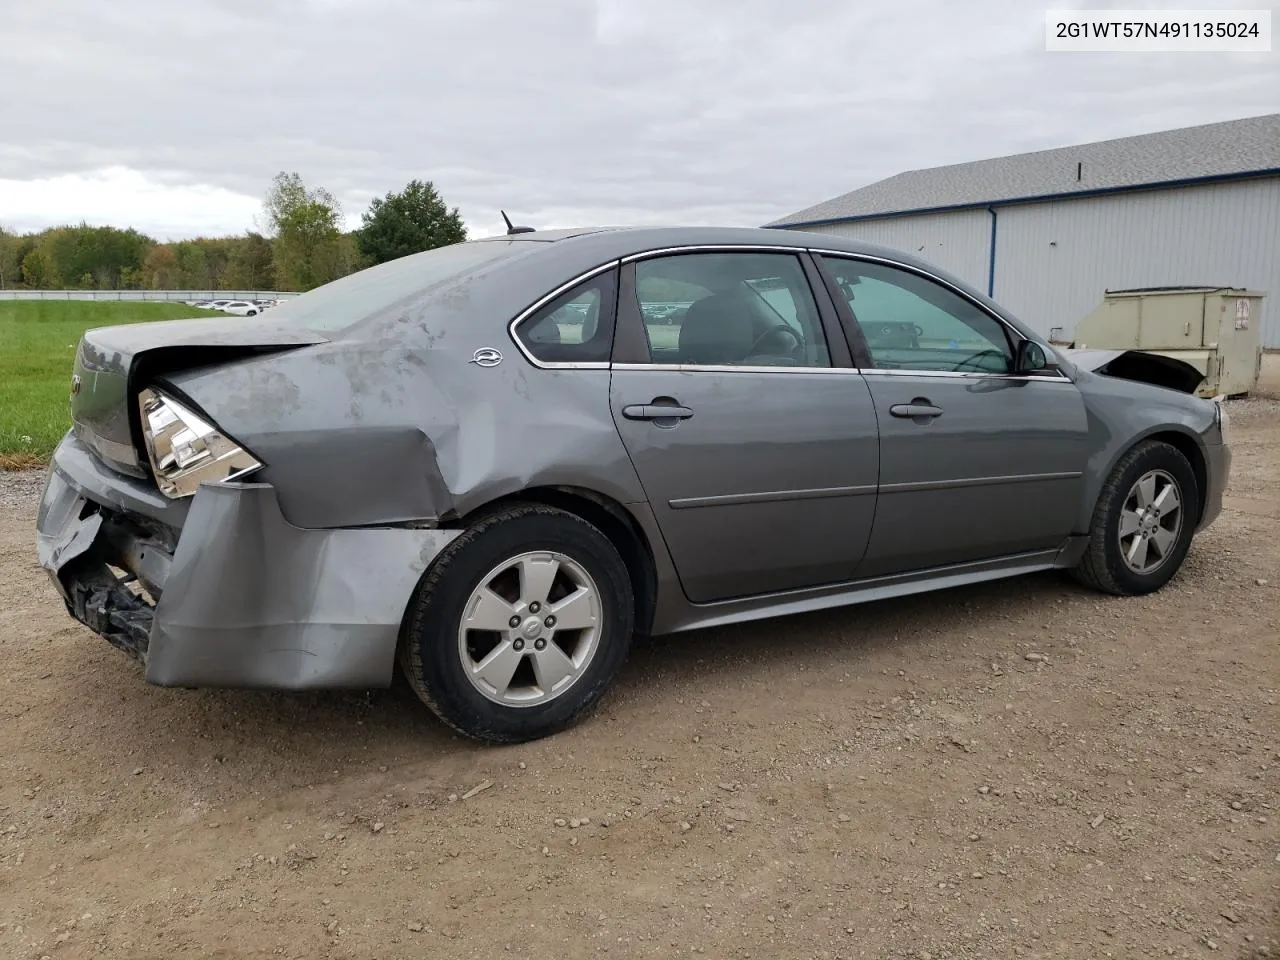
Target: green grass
x,y
37,346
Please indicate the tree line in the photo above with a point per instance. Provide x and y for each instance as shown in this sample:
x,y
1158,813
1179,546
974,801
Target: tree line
x,y
302,245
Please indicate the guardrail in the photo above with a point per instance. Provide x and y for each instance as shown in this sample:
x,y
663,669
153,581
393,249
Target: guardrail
x,y
141,295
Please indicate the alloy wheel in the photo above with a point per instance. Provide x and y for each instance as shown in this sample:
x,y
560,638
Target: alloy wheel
x,y
1150,521
530,629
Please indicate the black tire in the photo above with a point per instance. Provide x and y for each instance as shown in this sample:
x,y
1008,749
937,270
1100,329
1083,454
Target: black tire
x,y
429,654
1103,567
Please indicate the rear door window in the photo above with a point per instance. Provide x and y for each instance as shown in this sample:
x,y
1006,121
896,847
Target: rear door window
x,y
730,309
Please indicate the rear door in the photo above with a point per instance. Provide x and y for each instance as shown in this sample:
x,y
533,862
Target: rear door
x,y
976,462
753,435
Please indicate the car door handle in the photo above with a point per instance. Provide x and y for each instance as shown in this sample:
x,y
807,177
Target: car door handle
x,y
656,411
919,408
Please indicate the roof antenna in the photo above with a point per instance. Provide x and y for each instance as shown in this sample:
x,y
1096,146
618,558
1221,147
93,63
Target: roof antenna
x,y
513,229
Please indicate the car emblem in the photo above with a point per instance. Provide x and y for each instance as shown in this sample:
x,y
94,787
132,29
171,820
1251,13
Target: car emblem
x,y
486,357
75,384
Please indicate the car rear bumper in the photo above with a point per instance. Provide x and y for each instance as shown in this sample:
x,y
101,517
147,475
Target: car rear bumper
x,y
234,597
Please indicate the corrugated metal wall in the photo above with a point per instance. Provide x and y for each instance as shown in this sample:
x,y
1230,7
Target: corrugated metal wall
x,y
957,242
1055,260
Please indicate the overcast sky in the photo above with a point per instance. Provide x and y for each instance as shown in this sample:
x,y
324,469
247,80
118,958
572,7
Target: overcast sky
x,y
173,115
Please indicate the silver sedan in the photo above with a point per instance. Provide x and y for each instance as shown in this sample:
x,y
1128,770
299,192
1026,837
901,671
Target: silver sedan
x,y
492,463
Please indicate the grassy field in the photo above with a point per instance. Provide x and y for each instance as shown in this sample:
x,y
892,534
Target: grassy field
x,y
37,345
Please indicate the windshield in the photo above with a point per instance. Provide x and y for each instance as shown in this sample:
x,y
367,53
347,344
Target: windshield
x,y
352,298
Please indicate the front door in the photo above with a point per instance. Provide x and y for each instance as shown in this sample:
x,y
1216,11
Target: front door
x,y
975,462
758,456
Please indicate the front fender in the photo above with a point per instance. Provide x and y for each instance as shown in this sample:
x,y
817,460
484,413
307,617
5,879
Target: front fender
x,y
1123,413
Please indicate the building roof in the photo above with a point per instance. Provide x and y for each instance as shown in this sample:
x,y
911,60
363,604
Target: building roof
x,y
1226,150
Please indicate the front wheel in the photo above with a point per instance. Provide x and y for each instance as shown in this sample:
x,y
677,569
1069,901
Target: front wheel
x,y
1143,523
519,625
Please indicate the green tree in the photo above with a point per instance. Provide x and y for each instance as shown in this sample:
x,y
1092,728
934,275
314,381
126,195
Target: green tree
x,y
350,259
17,252
306,228
193,267
95,256
252,265
160,269
38,271
11,254
217,258
413,220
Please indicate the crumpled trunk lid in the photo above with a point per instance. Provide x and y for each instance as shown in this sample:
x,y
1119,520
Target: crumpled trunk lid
x,y
111,361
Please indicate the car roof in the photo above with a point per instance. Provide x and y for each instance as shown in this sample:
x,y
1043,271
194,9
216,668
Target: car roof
x,y
610,242
546,236
586,247
657,236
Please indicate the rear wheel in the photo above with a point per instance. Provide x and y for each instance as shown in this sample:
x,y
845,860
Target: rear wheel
x,y
1143,523
519,626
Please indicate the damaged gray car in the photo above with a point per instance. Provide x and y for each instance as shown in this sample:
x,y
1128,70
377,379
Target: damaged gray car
x,y
493,463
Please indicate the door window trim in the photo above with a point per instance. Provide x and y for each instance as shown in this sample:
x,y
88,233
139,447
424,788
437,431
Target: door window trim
x,y
547,298
1046,376
718,368
854,331
713,248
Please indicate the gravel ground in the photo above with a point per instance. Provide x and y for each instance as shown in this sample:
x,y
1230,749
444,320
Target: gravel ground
x,y
20,488
1019,769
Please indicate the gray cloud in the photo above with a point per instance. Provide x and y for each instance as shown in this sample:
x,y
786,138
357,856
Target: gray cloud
x,y
570,111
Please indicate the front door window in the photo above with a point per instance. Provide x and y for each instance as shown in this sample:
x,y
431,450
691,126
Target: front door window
x,y
912,323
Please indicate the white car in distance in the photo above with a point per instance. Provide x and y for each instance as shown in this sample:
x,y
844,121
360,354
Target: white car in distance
x,y
241,308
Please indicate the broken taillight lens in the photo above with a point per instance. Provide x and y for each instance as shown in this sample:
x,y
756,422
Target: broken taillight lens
x,y
185,449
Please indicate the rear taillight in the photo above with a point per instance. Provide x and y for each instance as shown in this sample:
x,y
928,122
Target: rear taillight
x,y
185,449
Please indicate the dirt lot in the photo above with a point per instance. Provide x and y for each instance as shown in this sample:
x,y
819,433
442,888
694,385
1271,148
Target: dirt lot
x,y
894,780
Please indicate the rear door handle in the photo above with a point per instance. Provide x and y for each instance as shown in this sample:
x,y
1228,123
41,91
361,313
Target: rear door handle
x,y
918,409
656,411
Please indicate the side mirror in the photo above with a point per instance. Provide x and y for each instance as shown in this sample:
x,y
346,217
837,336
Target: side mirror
x,y
1030,357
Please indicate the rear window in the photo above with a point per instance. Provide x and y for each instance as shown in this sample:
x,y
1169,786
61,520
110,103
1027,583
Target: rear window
x,y
345,302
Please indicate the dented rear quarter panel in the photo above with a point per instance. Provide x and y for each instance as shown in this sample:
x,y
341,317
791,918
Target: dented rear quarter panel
x,y
390,422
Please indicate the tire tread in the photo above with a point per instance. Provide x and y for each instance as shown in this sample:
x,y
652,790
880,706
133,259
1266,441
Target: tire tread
x,y
421,605
1094,569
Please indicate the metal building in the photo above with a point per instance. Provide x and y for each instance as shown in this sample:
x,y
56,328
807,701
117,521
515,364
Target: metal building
x,y
1047,233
